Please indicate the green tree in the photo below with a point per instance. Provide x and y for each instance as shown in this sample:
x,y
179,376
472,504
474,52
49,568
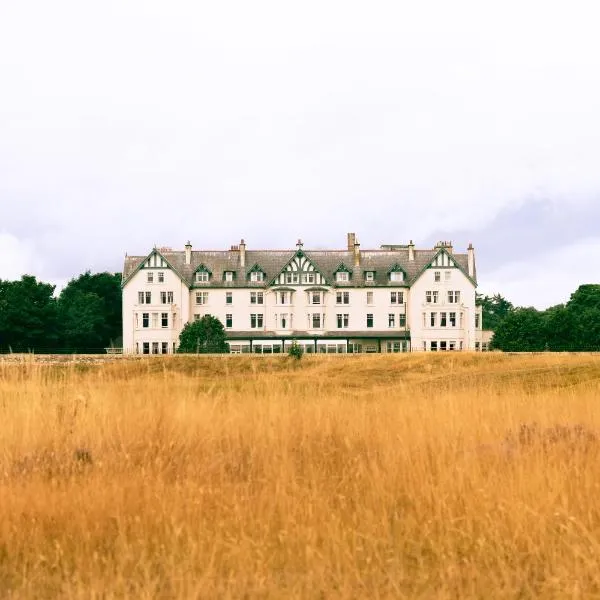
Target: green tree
x,y
28,316
522,330
494,310
90,312
584,310
207,335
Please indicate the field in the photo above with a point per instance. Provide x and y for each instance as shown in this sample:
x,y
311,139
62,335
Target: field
x,y
408,476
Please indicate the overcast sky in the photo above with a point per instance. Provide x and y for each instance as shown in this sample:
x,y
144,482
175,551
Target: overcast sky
x,y
125,124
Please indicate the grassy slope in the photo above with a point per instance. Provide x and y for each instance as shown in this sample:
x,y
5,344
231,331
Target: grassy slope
x,y
358,476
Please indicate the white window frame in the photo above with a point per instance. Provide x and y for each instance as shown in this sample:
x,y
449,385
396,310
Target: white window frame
x,y
342,276
257,276
369,275
202,276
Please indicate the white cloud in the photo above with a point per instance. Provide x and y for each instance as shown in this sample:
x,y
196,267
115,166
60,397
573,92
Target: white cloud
x,y
16,257
550,279
124,124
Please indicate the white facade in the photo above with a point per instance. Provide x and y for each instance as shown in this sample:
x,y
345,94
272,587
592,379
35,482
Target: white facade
x,y
393,299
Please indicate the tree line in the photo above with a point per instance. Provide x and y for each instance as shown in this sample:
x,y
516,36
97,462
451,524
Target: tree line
x,y
84,318
574,326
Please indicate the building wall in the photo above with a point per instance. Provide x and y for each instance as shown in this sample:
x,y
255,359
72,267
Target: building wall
x,y
420,310
299,309
133,311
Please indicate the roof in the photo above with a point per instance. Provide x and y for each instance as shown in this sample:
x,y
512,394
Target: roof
x,y
272,262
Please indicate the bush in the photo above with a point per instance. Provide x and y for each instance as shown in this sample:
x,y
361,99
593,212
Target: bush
x,y
295,351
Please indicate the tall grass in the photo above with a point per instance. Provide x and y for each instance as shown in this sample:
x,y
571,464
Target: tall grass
x,y
354,477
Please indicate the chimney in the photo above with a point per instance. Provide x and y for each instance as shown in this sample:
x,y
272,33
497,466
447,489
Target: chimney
x,y
411,251
299,244
471,260
242,253
188,253
356,254
351,241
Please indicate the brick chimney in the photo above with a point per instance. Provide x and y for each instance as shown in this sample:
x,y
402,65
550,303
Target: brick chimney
x,y
411,251
242,253
188,253
351,241
471,260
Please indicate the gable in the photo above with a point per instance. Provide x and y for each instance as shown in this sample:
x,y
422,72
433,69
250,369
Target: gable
x,y
443,259
154,260
299,270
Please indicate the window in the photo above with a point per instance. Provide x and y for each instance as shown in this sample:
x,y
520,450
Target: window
x,y
342,276
396,297
291,277
228,275
166,297
284,320
391,320
447,275
144,297
369,297
165,347
453,297
401,320
256,320
431,297
256,298
155,320
315,298
146,347
154,347
164,319
443,346
369,319
434,346
228,297
396,276
308,278
256,276
437,276
343,320
476,320
451,346
342,298
452,319
161,277
201,276
432,318
443,318
369,275
201,297
146,321
150,276
316,320
229,321
197,317
282,297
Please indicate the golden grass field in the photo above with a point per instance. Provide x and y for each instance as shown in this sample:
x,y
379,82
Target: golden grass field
x,y
335,477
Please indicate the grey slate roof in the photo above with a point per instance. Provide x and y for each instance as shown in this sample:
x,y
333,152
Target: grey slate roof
x,y
272,262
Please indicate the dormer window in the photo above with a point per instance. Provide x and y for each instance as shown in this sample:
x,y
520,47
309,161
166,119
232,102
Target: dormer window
x,y
202,276
396,276
342,276
228,275
369,275
257,276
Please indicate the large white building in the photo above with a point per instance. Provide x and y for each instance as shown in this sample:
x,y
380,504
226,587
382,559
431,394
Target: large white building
x,y
393,299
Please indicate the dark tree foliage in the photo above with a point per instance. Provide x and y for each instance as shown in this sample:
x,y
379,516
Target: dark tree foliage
x,y
521,330
574,326
205,336
90,312
494,310
28,316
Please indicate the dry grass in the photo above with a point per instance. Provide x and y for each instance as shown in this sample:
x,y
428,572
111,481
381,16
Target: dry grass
x,y
354,477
